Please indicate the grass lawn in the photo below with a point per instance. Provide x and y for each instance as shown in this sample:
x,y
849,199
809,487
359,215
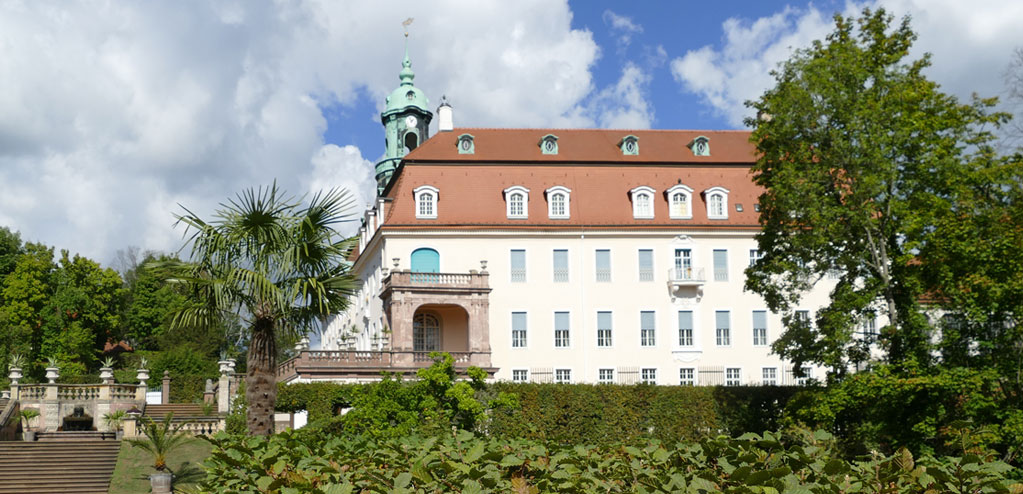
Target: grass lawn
x,y
131,476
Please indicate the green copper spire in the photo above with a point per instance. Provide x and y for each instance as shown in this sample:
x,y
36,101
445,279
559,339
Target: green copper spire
x,y
406,119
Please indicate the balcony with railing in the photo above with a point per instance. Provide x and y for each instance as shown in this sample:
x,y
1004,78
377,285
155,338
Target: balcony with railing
x,y
686,276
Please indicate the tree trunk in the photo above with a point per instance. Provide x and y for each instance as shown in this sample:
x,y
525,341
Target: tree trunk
x,y
261,380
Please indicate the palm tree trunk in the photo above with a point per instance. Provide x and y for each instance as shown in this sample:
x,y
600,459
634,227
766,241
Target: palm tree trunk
x,y
261,381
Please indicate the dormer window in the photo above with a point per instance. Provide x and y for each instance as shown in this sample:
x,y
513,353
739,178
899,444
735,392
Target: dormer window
x,y
700,146
549,144
558,202
466,144
426,202
629,145
717,203
680,201
642,203
517,200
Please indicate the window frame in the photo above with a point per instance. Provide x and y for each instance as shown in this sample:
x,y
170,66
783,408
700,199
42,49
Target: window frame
x,y
764,378
648,341
714,264
643,375
526,371
600,377
568,331
597,272
525,330
647,193
688,193
568,266
550,193
692,329
708,197
434,194
508,193
511,266
724,341
639,265
767,327
694,378
610,330
738,379
557,376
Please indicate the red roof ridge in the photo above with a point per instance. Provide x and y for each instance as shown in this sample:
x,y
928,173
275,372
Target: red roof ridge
x,y
585,129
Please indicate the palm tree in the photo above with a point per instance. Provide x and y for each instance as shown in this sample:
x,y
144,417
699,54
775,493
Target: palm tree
x,y
279,265
160,439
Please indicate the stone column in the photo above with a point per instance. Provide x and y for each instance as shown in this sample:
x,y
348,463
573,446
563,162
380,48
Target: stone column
x,y
165,390
402,311
50,409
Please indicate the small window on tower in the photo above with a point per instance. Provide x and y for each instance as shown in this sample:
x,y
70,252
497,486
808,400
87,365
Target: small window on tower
x,y
466,144
411,95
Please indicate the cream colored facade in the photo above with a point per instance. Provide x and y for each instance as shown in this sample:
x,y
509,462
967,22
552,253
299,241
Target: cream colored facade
x,y
625,295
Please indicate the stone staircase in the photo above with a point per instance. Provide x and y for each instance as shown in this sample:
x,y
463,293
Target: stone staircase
x,y
180,410
66,467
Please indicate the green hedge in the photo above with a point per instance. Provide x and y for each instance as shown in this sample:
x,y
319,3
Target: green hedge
x,y
608,413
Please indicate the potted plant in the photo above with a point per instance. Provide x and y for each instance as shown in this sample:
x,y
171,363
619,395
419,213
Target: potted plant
x,y
14,368
114,421
159,439
106,373
52,369
26,415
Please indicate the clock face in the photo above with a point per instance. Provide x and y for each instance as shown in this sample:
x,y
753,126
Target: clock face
x,y
410,121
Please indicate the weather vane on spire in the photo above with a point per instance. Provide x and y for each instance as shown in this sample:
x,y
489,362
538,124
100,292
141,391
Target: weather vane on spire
x,y
406,24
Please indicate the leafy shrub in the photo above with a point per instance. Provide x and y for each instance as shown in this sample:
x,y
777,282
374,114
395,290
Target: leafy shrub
x,y
883,411
463,462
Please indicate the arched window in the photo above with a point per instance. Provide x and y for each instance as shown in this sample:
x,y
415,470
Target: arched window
x,y
426,202
559,202
517,199
642,202
411,141
680,202
717,203
425,333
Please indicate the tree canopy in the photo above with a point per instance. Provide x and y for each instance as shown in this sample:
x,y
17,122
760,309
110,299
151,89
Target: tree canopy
x,y
279,265
860,156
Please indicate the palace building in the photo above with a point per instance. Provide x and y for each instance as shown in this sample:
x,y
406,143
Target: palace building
x,y
556,255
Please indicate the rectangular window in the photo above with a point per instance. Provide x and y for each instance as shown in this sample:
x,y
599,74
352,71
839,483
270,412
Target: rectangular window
x,y
759,327
720,265
518,266
605,376
520,375
646,265
561,329
803,317
733,376
807,376
685,328
647,335
560,266
518,330
603,329
754,256
563,376
603,268
723,326
687,376
648,376
770,376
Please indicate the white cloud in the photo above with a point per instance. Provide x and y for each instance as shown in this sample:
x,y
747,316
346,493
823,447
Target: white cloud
x,y
971,44
114,113
623,27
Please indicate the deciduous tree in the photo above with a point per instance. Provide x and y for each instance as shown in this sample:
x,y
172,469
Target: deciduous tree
x,y
859,154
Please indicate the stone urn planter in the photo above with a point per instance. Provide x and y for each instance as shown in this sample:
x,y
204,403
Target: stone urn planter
x,y
28,436
142,375
160,482
106,374
52,373
226,366
15,375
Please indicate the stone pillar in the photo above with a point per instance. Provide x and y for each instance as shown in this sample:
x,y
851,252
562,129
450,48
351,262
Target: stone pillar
x,y
207,395
402,311
49,409
165,390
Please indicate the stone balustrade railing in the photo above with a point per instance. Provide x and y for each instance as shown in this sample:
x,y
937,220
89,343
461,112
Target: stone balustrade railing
x,y
438,280
383,359
195,426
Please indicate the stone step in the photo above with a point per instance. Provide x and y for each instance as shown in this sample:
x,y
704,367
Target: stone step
x,y
76,466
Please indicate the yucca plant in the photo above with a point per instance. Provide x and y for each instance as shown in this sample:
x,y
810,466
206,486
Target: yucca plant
x,y
114,419
26,415
160,439
108,362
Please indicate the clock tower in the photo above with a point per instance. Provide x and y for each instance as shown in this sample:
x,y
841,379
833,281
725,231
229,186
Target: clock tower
x,y
406,122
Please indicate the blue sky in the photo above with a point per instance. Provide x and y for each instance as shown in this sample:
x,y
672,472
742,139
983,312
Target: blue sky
x,y
114,114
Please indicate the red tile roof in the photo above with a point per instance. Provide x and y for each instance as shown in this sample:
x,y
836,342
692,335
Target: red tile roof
x,y
586,146
589,163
